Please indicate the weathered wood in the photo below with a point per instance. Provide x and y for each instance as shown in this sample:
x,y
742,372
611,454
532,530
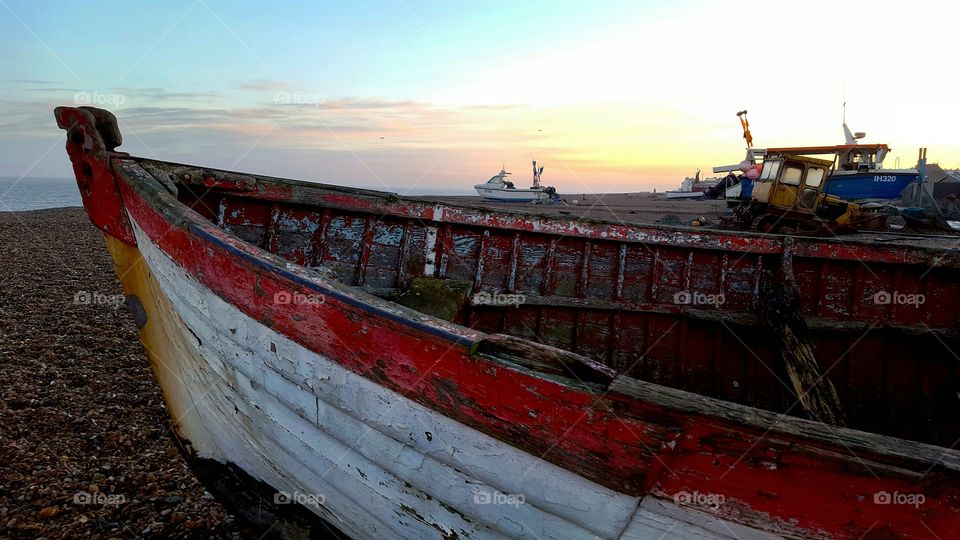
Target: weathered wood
x,y
442,298
933,252
779,310
923,456
545,358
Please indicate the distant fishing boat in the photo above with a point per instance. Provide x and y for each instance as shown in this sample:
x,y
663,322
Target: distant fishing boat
x,y
406,368
857,174
498,188
692,187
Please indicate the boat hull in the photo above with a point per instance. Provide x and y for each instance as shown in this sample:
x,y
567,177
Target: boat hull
x,y
684,194
293,420
875,185
376,464
509,195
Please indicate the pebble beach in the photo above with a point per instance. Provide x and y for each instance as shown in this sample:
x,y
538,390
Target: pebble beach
x,y
85,443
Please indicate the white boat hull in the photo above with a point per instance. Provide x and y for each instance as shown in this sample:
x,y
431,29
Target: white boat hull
x,y
684,194
509,195
365,459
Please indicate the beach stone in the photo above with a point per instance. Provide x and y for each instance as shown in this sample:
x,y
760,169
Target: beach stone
x,y
48,512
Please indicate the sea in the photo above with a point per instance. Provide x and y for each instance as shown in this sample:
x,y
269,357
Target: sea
x,y
36,193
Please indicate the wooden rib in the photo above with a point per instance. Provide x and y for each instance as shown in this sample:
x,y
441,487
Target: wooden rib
x,y
655,274
578,323
269,231
404,251
724,270
221,213
514,259
758,277
545,285
614,340
585,269
481,253
319,241
621,269
444,245
366,246
687,271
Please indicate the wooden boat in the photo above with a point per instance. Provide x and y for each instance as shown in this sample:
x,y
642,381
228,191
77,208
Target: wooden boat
x,y
592,384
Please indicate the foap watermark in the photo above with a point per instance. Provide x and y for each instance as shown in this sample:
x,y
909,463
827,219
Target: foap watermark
x,y
484,298
695,298
98,299
298,497
297,299
84,498
99,98
695,498
298,98
911,499
483,496
897,298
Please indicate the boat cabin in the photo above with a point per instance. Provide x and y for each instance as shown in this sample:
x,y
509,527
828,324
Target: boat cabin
x,y
846,157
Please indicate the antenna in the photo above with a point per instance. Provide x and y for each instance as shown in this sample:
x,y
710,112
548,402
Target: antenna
x,y
843,94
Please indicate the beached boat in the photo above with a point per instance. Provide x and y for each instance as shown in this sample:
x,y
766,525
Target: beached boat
x,y
857,175
692,187
557,379
498,188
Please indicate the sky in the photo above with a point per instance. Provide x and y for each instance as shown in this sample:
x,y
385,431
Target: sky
x,y
406,95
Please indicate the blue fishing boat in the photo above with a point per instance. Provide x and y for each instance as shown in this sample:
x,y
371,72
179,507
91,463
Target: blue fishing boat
x,y
870,185
857,174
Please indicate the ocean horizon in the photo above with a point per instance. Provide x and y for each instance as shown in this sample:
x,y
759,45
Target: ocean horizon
x,y
37,193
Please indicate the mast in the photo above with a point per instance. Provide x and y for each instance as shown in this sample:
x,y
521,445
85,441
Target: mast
x,y
536,174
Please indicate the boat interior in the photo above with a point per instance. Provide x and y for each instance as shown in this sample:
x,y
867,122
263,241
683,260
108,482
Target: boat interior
x,y
675,310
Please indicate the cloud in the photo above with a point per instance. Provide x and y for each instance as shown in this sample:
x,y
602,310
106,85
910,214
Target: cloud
x,y
264,85
30,81
366,140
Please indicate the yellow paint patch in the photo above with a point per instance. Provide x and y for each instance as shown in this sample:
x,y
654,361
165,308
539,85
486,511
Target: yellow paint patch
x,y
168,343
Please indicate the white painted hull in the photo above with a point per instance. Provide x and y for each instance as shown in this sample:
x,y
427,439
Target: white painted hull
x,y
382,465
684,194
509,195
